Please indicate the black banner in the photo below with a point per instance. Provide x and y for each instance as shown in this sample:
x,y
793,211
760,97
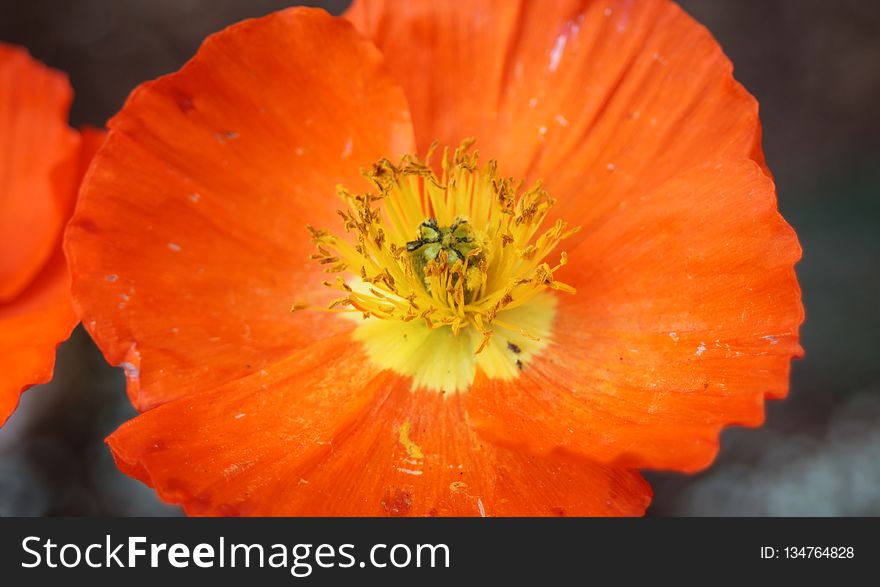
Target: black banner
x,y
433,551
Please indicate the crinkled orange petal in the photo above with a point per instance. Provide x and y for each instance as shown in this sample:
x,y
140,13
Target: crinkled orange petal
x,y
40,317
609,103
325,433
34,141
189,243
686,318
599,99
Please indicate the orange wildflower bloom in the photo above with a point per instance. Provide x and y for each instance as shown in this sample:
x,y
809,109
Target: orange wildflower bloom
x,y
42,161
462,343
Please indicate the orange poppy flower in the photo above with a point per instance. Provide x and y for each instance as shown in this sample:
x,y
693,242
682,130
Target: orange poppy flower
x,y
42,161
462,344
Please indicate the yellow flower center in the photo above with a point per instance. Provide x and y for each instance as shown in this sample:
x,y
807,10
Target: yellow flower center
x,y
446,273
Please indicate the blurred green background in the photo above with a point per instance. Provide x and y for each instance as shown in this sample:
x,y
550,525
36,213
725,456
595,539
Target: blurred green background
x,y
814,66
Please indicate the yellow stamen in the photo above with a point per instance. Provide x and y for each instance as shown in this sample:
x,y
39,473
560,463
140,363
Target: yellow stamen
x,y
447,265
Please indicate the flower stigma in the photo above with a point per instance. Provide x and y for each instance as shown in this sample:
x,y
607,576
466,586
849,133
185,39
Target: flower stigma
x,y
446,272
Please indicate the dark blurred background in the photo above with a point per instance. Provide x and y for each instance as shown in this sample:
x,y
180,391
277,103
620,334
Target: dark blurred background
x,y
814,66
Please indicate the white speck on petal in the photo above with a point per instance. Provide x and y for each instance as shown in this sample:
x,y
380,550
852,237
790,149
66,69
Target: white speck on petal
x,y
112,277
481,508
409,471
673,336
557,51
174,247
194,197
346,150
701,349
131,370
563,121
240,416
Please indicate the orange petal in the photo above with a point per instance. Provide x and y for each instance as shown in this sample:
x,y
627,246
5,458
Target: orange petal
x,y
324,433
42,162
189,242
41,316
599,99
31,327
34,141
686,318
